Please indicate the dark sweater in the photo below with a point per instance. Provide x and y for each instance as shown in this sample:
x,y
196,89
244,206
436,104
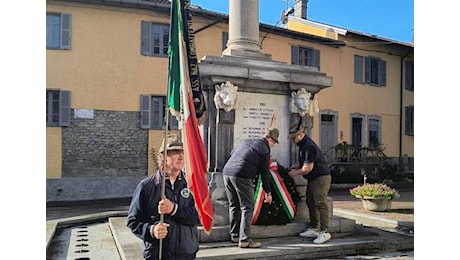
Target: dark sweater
x,y
249,158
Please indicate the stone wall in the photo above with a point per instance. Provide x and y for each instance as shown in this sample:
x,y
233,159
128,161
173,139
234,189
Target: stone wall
x,y
104,143
92,188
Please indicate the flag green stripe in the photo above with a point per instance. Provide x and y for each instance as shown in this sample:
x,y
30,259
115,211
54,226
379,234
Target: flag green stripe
x,y
174,81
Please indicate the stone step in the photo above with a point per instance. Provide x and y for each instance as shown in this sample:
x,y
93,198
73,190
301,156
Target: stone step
x,y
278,242
221,233
130,246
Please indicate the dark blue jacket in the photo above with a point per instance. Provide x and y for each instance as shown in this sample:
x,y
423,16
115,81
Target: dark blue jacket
x,y
182,240
249,158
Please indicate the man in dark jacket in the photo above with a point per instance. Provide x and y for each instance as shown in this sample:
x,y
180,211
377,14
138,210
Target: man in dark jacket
x,y
249,158
179,230
313,167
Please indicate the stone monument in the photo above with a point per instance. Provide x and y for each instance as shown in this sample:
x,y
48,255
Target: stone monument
x,y
263,88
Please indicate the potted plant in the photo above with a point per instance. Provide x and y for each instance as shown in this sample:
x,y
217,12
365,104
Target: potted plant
x,y
375,196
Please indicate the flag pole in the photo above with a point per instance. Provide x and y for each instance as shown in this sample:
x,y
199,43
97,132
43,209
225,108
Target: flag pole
x,y
165,138
163,178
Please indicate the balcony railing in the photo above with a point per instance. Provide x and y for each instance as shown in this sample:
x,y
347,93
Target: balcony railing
x,y
345,154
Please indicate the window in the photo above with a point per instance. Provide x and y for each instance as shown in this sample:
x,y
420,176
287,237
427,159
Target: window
x,y
410,75
374,131
224,40
58,31
152,113
154,39
305,56
374,70
357,129
409,120
359,69
57,108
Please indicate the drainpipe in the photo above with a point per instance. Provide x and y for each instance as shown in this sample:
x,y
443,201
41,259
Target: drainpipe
x,y
401,110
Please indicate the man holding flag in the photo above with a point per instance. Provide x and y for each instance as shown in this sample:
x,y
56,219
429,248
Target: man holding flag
x,y
180,227
185,100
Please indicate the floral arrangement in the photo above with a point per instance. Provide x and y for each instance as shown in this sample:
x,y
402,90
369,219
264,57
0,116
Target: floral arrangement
x,y
374,190
274,214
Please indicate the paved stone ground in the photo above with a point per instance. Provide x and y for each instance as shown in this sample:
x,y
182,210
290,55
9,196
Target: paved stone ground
x,y
402,211
402,208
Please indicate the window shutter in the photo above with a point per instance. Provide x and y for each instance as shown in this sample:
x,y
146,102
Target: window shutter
x,y
65,31
64,106
412,120
358,69
145,38
407,120
382,72
367,70
410,75
295,55
316,58
224,40
174,124
158,105
145,112
49,30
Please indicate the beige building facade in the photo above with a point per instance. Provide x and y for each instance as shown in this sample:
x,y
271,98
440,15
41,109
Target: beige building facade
x,y
107,69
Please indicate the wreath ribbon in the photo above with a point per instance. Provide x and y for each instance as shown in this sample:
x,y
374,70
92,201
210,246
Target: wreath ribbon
x,y
280,189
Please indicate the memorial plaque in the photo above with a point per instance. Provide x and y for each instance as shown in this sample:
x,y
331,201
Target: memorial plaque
x,y
84,113
254,114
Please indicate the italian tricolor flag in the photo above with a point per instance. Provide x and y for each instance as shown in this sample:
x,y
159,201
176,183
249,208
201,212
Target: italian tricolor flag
x,y
184,95
279,189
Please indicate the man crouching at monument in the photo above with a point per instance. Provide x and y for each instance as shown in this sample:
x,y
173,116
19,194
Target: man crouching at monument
x,y
249,158
313,167
179,231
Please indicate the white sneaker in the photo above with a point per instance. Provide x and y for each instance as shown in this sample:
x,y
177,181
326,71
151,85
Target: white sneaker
x,y
310,232
322,237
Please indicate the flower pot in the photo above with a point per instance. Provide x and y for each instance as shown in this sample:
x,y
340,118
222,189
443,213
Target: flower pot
x,y
376,203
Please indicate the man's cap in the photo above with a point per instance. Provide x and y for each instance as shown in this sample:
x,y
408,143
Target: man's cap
x,y
273,133
173,142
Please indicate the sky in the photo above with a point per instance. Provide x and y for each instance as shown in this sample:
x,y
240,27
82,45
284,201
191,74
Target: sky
x,y
393,19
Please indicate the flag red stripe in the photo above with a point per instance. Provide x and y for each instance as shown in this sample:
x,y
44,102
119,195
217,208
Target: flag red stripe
x,y
198,168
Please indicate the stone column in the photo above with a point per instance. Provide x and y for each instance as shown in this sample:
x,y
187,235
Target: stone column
x,y
243,38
